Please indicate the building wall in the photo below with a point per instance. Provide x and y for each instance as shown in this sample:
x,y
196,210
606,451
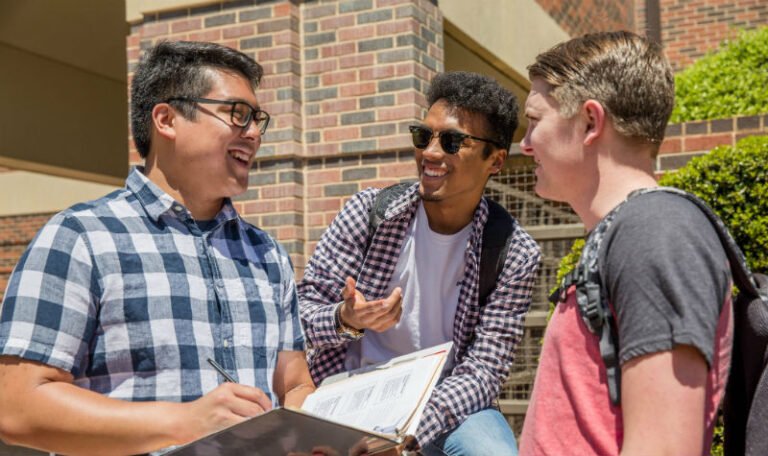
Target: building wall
x,y
343,80
690,29
578,17
16,232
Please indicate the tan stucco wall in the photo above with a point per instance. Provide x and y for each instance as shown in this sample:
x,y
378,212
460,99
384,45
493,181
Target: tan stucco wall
x,y
34,193
512,31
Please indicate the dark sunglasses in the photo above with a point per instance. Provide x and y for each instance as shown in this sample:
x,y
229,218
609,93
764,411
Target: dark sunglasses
x,y
451,141
241,114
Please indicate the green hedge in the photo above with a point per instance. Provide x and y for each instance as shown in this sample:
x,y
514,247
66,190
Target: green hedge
x,y
732,180
731,82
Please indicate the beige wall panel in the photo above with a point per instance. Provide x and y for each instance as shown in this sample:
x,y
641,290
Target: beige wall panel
x,y
514,31
42,193
61,116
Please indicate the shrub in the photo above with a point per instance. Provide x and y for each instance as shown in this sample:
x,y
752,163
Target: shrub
x,y
732,180
727,83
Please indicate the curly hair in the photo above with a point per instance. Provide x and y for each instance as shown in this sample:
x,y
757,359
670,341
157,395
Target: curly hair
x,y
180,69
625,72
477,93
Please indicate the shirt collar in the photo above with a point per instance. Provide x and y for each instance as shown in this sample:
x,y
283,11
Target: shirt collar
x,y
156,202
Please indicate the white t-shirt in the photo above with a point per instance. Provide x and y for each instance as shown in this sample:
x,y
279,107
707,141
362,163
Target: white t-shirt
x,y
429,271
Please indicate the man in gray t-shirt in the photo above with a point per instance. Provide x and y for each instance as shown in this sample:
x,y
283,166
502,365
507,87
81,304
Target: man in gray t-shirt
x,y
597,112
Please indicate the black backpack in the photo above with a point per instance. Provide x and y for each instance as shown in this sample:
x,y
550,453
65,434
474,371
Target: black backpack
x,y
745,406
497,235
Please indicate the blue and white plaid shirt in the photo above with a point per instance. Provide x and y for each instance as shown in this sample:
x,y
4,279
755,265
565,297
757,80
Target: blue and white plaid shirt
x,y
131,297
484,337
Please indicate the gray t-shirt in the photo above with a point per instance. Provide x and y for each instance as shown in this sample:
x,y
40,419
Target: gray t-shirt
x,y
666,275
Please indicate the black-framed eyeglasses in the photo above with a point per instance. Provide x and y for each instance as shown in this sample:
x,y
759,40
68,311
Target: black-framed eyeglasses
x,y
241,113
451,141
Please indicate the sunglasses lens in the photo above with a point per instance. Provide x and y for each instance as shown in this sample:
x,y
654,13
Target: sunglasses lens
x,y
421,137
451,141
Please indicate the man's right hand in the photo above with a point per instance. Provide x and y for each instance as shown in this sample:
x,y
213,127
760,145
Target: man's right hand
x,y
378,315
227,405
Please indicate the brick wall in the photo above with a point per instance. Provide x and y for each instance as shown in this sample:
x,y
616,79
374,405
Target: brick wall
x,y
15,233
689,29
689,139
578,17
343,80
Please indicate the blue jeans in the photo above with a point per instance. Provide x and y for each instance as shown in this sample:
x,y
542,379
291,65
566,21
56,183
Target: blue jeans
x,y
483,433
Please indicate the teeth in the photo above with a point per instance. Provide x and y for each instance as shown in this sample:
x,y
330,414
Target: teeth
x,y
434,172
242,156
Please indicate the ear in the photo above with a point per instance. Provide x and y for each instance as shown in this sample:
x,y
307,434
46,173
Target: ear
x,y
498,157
595,117
164,119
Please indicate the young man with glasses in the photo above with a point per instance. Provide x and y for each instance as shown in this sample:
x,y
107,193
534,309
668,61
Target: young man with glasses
x,y
414,283
115,309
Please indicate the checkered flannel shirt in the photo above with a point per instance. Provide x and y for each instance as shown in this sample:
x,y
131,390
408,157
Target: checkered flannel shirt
x,y
131,297
484,337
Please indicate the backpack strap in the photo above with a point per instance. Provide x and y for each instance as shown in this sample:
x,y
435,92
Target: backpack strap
x,y
590,296
497,235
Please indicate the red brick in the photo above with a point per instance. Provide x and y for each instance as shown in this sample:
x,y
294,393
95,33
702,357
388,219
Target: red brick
x,y
339,77
336,22
280,53
285,37
132,40
336,50
400,113
399,142
186,25
322,122
281,81
314,192
283,9
356,33
395,28
411,97
280,107
377,72
357,60
338,106
354,90
325,204
238,31
702,143
326,176
320,66
291,205
207,35
259,207
154,29
281,191
340,134
290,232
671,146
315,150
314,219
398,170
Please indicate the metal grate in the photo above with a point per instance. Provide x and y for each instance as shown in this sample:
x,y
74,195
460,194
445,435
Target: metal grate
x,y
554,226
513,189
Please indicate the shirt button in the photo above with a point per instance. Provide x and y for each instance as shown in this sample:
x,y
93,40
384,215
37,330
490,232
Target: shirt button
x,y
177,208
226,343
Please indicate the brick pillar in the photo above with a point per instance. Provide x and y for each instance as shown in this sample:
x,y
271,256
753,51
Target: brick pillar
x,y
343,80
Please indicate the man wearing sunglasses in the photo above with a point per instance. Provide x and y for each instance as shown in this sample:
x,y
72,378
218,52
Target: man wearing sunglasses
x,y
414,283
119,308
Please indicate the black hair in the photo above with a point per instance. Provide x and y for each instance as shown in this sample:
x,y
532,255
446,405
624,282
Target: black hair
x,y
477,93
180,69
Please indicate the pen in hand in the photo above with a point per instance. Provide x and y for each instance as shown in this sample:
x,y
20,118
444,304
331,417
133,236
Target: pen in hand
x,y
221,370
